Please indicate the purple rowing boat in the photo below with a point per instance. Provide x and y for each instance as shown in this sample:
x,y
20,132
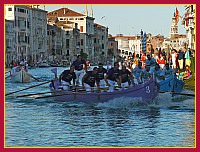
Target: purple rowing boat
x,y
146,91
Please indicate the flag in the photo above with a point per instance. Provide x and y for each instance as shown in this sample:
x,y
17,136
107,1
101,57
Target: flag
x,y
54,70
177,15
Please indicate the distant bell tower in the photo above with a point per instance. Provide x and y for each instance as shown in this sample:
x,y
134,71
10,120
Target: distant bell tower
x,y
174,27
86,10
91,11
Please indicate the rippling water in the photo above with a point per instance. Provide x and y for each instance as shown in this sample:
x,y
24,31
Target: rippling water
x,y
122,122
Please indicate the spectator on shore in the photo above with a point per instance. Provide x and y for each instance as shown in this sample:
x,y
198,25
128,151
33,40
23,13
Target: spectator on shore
x,y
161,61
180,59
173,58
187,58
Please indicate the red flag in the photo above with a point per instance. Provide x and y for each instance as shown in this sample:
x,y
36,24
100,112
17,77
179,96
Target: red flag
x,y
177,15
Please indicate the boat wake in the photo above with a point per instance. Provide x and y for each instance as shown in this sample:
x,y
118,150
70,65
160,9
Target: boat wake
x,y
179,102
163,101
123,102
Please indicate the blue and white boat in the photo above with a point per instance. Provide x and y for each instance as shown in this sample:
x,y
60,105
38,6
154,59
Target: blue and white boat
x,y
171,84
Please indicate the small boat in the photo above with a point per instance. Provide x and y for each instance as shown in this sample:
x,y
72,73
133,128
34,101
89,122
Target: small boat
x,y
171,84
43,64
21,76
55,65
146,91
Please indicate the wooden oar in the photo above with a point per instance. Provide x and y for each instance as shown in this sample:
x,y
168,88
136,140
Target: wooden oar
x,y
29,87
67,93
32,77
186,94
51,96
26,95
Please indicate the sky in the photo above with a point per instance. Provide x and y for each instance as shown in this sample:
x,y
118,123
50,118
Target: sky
x,y
131,19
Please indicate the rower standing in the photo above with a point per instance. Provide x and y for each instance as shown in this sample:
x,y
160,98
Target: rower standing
x,y
145,75
137,73
101,72
150,62
80,68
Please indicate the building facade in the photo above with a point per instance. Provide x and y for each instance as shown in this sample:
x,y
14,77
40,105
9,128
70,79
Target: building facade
x,y
85,24
100,44
30,31
189,22
10,41
112,49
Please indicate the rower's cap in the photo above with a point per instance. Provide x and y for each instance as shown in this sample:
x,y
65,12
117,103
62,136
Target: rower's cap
x,y
100,64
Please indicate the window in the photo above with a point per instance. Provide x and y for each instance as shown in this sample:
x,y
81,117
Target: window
x,y
81,41
10,9
102,46
67,43
67,53
21,10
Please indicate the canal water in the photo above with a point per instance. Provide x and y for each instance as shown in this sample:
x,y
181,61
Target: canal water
x,y
30,122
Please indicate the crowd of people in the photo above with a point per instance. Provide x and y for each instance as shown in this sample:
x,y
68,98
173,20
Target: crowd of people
x,y
127,72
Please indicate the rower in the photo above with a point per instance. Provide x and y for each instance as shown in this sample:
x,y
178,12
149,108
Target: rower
x,y
101,72
90,79
157,72
125,77
151,62
137,73
112,77
80,68
66,77
167,71
145,75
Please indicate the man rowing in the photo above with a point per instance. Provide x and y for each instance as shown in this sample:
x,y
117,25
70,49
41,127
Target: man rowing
x,y
157,72
112,77
167,71
90,80
126,77
66,77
